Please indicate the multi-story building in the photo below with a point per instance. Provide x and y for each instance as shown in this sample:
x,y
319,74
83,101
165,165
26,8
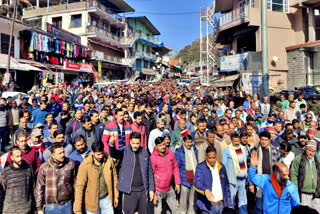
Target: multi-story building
x,y
100,27
146,50
240,27
304,56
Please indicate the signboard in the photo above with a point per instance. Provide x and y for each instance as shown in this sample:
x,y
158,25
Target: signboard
x,y
233,62
84,67
99,55
100,68
63,34
251,83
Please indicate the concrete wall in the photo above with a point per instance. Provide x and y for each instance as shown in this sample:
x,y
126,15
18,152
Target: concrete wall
x,y
137,25
5,27
297,69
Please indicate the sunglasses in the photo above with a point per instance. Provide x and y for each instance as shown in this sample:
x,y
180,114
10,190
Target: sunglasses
x,y
309,117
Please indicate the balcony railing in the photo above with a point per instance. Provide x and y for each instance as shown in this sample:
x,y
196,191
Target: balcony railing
x,y
235,17
103,33
116,17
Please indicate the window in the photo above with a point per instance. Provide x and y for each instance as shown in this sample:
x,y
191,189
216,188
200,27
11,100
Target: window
x,y
76,21
57,21
5,38
94,21
104,26
278,5
145,64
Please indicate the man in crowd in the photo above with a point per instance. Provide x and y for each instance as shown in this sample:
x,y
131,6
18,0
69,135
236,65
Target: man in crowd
x,y
211,183
137,126
158,132
96,183
136,177
55,181
81,150
74,125
165,167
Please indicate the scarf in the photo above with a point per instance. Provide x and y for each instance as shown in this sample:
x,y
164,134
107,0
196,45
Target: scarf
x,y
51,191
191,164
276,185
239,161
38,147
259,167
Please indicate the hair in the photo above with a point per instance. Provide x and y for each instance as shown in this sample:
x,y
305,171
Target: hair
x,y
288,131
97,147
183,111
86,119
43,102
201,120
14,148
93,112
235,135
58,132
210,131
187,137
135,135
159,140
287,124
295,121
178,110
302,105
55,146
243,135
211,148
78,138
192,115
265,134
53,124
291,102
21,134
285,146
137,114
117,111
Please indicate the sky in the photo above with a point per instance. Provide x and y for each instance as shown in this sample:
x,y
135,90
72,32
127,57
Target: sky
x,y
177,30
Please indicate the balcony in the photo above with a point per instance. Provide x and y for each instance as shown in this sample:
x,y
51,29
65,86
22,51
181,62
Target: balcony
x,y
105,13
234,18
108,37
148,38
113,59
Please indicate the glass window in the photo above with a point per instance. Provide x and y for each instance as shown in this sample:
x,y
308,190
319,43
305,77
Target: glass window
x,y
76,20
94,21
57,21
278,5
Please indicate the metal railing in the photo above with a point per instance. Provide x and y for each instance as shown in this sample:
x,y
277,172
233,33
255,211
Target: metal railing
x,y
236,15
116,17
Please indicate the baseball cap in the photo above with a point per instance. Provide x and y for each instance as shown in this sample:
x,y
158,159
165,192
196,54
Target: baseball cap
x,y
36,132
259,115
39,125
302,134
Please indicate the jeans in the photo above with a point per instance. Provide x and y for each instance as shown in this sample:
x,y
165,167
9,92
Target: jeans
x,y
104,206
240,187
59,209
215,209
187,200
170,198
259,206
3,137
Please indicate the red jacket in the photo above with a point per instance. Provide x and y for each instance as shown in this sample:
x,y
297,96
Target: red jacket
x,y
112,129
142,130
164,167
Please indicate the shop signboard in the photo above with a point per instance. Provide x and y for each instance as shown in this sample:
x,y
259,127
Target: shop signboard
x,y
84,67
232,62
251,83
99,55
63,34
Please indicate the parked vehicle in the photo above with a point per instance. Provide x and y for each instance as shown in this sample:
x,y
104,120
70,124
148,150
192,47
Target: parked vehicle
x,y
13,94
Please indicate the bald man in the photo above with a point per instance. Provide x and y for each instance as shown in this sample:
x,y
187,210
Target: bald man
x,y
221,137
280,195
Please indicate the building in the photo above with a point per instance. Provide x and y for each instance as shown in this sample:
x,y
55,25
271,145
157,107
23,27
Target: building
x,y
239,27
147,50
304,56
100,28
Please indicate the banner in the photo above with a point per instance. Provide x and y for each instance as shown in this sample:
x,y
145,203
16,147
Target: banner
x,y
63,34
100,68
84,67
233,62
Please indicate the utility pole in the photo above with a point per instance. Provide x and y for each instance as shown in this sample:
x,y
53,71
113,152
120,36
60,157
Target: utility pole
x,y
11,34
264,45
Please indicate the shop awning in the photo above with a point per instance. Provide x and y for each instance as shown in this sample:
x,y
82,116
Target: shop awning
x,y
225,81
15,64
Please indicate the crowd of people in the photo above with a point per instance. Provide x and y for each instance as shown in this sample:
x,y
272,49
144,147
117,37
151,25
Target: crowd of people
x,y
158,148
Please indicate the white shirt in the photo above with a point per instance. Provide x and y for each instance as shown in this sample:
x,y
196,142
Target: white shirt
x,y
216,184
288,159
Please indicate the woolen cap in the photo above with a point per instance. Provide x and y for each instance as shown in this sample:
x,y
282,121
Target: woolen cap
x,y
312,144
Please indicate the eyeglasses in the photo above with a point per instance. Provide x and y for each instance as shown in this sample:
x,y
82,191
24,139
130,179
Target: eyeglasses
x,y
309,117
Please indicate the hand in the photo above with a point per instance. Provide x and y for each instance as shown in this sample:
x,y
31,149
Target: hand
x,y
112,140
177,188
116,202
40,212
254,159
151,195
78,213
155,200
251,188
209,195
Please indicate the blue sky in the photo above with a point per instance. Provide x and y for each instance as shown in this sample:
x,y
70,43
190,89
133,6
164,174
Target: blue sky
x,y
176,31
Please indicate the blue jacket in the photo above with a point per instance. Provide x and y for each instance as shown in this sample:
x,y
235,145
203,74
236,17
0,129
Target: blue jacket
x,y
181,159
127,168
203,181
54,109
228,163
77,157
271,202
81,131
39,116
71,128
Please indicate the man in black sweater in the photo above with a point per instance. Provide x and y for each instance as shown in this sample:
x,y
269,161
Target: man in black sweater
x,y
18,184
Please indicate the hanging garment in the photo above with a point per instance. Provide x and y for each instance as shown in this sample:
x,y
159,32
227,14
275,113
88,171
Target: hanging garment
x,y
39,43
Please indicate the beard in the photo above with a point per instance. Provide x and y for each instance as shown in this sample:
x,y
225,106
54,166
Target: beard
x,y
281,181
